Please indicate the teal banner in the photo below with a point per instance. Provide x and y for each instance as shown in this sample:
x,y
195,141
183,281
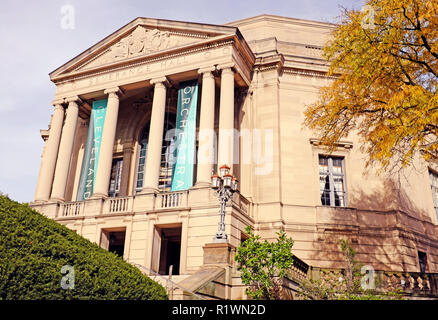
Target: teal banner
x,y
185,140
92,150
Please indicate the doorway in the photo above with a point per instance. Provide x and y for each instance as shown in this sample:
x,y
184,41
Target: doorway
x,y
166,249
114,241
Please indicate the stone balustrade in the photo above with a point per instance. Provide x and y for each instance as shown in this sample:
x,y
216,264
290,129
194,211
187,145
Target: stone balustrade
x,y
72,209
408,284
128,204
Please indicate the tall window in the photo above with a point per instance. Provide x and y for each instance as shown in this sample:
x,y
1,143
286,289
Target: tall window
x,y
141,163
167,149
434,186
116,177
332,181
165,179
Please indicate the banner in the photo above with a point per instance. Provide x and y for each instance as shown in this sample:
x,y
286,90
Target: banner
x,y
184,154
92,150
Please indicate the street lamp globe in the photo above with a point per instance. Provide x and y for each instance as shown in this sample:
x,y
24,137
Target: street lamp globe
x,y
215,181
224,170
234,184
228,181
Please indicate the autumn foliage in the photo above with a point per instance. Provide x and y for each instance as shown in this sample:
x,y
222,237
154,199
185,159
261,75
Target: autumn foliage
x,y
383,59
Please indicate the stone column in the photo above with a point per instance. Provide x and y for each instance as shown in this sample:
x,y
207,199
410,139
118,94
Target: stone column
x,y
103,173
65,149
206,129
155,141
226,117
48,161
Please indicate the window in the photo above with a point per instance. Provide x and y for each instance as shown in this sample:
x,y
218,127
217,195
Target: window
x,y
116,177
332,181
141,163
167,150
422,260
434,186
165,178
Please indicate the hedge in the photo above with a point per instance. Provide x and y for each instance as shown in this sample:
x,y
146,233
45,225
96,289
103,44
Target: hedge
x,y
33,249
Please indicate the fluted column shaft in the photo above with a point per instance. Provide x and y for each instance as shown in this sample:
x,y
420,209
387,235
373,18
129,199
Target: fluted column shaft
x,y
206,129
65,149
226,118
104,164
48,161
155,140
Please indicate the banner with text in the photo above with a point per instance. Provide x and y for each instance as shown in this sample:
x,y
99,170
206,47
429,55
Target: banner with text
x,y
92,149
184,154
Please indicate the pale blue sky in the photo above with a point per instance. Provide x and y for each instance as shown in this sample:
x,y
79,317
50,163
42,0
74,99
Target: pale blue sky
x,y
34,44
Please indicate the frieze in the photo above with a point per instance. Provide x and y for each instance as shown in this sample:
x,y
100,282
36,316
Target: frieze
x,y
142,71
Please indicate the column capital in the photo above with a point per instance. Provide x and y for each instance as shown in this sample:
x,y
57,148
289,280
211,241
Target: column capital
x,y
58,102
115,90
74,99
162,80
206,70
226,66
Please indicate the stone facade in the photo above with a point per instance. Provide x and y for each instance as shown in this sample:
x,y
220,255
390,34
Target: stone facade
x,y
256,75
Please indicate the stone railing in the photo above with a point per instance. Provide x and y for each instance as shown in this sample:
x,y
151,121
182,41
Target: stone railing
x,y
299,269
408,284
72,209
118,205
243,204
168,200
412,283
130,204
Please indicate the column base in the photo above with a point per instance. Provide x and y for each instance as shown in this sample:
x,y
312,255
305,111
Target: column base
x,y
201,185
97,196
39,201
149,190
55,200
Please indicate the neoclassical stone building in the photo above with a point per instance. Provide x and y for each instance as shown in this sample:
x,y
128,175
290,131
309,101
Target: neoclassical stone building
x,y
108,168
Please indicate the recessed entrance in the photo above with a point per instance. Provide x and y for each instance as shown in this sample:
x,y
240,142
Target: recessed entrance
x,y
166,249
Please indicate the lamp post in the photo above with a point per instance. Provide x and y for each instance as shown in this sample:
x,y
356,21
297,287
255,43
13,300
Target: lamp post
x,y
225,185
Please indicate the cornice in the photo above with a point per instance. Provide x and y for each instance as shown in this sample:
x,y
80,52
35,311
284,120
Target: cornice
x,y
143,60
308,73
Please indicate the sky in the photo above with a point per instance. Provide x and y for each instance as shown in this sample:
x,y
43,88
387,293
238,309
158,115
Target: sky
x,y
36,40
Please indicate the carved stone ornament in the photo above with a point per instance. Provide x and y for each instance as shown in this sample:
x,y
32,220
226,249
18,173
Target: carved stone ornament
x,y
142,41
139,42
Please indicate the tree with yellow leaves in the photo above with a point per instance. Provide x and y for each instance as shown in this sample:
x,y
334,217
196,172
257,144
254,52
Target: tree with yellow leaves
x,y
384,60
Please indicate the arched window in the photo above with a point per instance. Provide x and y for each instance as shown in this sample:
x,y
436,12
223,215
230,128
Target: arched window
x,y
165,179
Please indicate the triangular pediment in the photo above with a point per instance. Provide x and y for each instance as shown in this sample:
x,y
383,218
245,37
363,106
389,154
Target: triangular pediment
x,y
142,37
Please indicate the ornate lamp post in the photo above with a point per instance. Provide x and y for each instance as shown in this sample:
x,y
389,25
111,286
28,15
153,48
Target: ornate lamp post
x,y
225,185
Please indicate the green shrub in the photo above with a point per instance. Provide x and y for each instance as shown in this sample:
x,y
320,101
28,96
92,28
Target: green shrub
x,y
33,249
262,264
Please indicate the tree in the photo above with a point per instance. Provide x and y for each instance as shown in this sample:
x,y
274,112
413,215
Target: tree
x,y
42,259
263,264
385,63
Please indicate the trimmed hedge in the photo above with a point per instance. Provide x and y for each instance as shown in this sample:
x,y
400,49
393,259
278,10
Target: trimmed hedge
x,y
33,249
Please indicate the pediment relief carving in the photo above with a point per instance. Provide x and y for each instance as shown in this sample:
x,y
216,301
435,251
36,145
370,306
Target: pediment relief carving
x,y
141,41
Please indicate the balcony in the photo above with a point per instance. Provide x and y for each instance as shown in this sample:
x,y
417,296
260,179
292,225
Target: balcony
x,y
163,201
